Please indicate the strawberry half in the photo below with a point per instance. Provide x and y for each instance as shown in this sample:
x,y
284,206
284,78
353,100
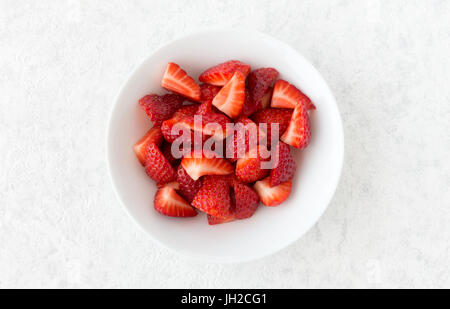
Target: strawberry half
x,y
154,136
298,133
208,94
220,74
159,108
285,167
272,196
169,203
176,79
286,95
200,163
157,166
247,201
259,82
248,169
188,186
214,197
230,99
274,115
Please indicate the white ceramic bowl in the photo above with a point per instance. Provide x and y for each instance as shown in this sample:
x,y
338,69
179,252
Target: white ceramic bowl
x,y
270,229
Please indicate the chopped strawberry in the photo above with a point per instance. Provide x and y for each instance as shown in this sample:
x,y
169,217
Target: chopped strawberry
x,y
176,79
285,166
157,166
230,99
169,203
220,74
154,136
272,196
246,133
167,125
298,133
286,95
188,186
249,169
212,124
249,107
213,197
215,220
269,116
159,108
259,82
247,201
208,94
200,163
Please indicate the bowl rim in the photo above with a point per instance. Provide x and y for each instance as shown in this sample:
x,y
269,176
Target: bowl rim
x,y
210,258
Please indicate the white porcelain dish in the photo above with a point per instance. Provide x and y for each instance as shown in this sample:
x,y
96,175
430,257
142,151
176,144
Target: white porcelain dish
x,y
270,229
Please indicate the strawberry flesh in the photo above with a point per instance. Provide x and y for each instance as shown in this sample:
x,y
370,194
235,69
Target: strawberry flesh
x,y
231,98
220,74
201,163
188,186
177,80
154,136
272,196
169,203
298,133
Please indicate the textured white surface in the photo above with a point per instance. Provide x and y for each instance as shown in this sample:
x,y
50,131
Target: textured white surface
x,y
62,63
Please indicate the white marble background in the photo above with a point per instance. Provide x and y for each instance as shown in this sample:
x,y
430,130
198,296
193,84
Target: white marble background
x,y
62,63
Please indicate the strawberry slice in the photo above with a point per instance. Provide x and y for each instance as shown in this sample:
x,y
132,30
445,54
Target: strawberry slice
x,y
214,197
247,201
215,220
267,98
169,203
200,163
272,196
230,99
285,166
157,166
248,169
259,82
176,79
238,144
188,186
286,95
154,136
220,74
270,116
298,133
159,108
212,124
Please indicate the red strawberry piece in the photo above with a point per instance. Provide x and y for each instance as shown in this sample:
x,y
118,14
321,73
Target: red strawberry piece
x,y
286,95
213,197
230,99
298,133
215,220
169,203
188,186
167,125
249,169
212,124
247,201
176,79
259,82
285,166
200,163
272,196
157,166
220,74
246,133
154,136
249,107
159,108
273,115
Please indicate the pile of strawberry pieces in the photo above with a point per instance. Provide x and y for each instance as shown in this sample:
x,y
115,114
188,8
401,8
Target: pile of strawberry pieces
x,y
226,189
